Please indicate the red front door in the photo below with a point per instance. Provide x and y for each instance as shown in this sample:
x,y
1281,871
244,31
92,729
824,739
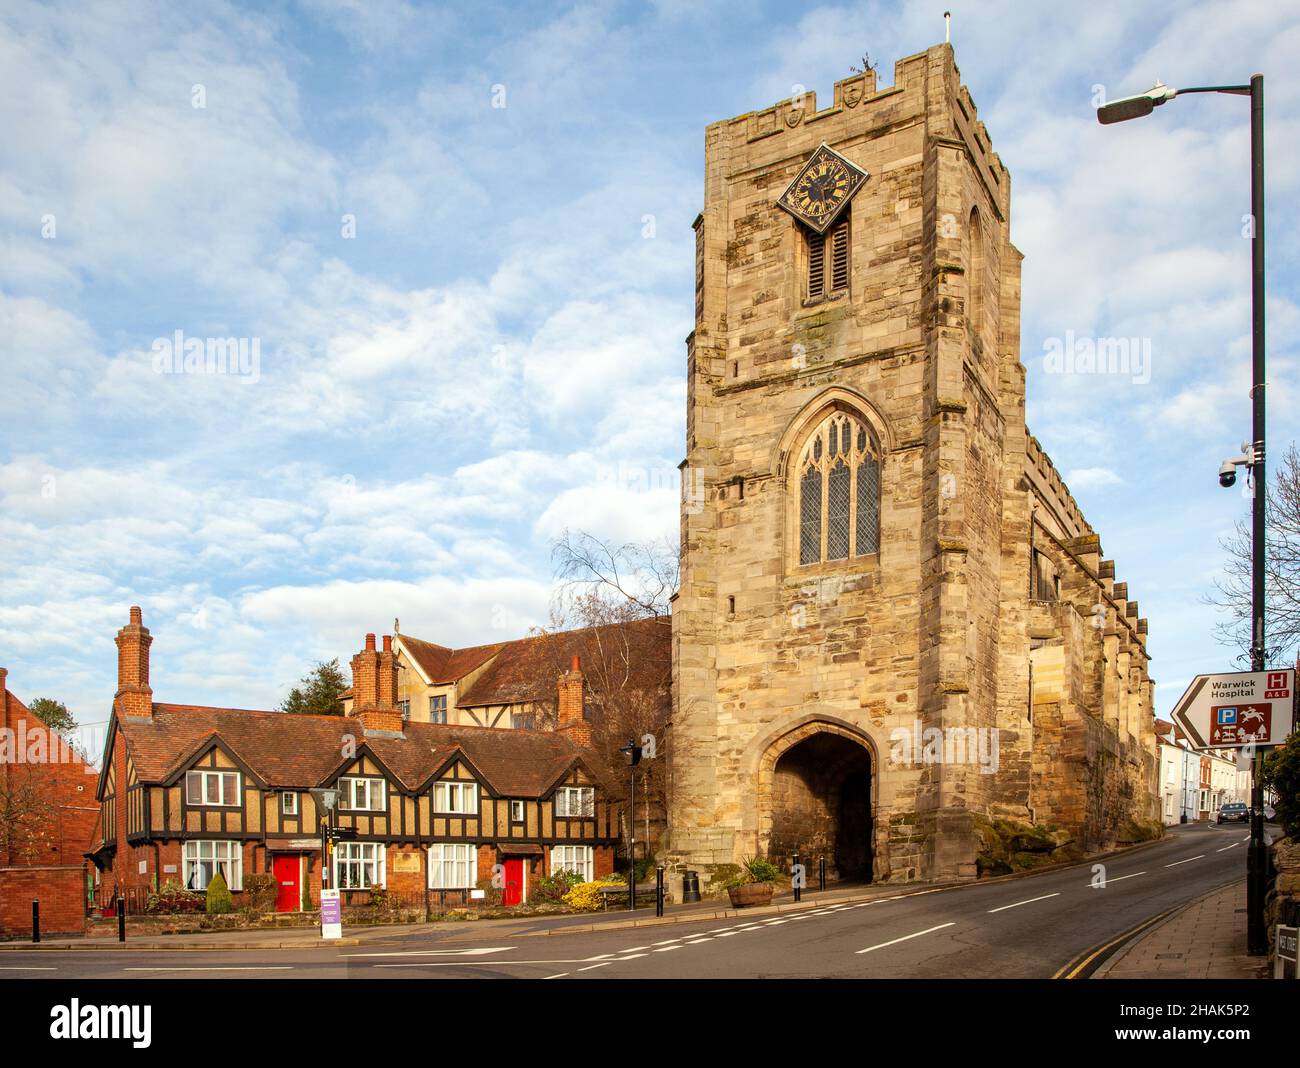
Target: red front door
x,y
514,888
288,893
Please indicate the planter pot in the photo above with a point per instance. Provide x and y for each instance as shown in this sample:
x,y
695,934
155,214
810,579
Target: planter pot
x,y
751,894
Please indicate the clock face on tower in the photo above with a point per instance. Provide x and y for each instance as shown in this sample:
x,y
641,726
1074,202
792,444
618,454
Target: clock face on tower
x,y
821,190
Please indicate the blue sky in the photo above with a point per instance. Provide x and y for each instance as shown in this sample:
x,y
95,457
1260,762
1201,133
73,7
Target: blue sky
x,y
498,351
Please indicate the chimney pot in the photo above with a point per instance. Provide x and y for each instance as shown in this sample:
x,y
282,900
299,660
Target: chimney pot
x,y
137,618
388,643
576,663
370,642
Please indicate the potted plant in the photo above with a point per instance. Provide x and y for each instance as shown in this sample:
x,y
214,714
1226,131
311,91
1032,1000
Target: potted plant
x,y
755,884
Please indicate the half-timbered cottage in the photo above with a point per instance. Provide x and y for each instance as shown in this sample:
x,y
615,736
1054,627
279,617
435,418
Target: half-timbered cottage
x,y
186,791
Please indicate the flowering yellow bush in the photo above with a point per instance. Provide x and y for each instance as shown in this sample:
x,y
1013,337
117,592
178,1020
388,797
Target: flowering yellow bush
x,y
585,897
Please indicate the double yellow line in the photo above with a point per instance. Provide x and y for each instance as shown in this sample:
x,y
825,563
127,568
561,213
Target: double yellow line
x,y
1082,966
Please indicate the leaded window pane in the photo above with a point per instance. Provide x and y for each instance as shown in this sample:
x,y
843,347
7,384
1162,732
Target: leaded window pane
x,y
837,513
810,517
868,507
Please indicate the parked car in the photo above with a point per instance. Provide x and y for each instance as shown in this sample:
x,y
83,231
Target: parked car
x,y
1234,812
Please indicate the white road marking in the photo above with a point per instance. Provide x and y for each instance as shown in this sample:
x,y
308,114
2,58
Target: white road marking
x,y
1027,901
560,975
667,949
25,968
436,952
1120,878
697,941
602,964
1233,846
632,956
220,968
634,949
1187,861
905,938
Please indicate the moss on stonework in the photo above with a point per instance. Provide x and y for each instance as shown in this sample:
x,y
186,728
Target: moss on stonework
x,y
1008,846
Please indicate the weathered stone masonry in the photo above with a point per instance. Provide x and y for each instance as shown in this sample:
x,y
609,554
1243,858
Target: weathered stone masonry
x,y
943,627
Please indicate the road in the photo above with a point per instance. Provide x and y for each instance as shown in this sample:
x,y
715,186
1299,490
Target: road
x,y
1021,928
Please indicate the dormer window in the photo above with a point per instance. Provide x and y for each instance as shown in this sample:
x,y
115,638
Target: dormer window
x,y
362,794
212,788
456,797
575,801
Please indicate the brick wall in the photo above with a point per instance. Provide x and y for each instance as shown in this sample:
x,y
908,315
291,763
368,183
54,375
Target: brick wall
x,y
61,890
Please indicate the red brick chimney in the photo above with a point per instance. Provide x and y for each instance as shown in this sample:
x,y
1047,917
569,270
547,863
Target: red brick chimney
x,y
374,687
134,698
570,720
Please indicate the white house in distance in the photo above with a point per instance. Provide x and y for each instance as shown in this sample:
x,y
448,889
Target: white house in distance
x,y
1193,785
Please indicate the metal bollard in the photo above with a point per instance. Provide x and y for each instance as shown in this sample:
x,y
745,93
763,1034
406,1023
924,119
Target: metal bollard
x,y
821,873
795,880
36,921
121,919
659,890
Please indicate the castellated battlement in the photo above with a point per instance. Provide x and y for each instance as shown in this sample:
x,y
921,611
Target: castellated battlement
x,y
1052,490
931,75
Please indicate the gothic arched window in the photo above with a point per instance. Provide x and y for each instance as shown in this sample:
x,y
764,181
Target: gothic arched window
x,y
839,491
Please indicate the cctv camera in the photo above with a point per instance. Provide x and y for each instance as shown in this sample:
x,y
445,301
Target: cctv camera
x,y
1227,474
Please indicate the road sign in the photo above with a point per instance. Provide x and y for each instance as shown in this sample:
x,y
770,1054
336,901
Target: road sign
x,y
1288,948
1238,709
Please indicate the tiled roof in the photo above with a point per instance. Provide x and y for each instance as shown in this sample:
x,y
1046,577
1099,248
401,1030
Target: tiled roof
x,y
302,751
635,655
444,665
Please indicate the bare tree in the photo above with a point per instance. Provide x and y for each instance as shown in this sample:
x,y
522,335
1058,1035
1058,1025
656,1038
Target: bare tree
x,y
632,580
611,608
1281,568
27,817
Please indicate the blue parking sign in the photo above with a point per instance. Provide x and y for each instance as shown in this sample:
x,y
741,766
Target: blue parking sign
x,y
1227,716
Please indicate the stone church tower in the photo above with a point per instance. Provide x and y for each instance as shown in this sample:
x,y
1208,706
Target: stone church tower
x,y
873,548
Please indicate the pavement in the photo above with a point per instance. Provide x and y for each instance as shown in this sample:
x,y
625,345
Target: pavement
x,y
1203,940
1060,922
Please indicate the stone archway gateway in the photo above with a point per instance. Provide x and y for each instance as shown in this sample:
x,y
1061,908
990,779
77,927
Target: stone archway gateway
x,y
816,797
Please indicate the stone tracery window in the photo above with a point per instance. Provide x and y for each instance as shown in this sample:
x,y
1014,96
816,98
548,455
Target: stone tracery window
x,y
838,492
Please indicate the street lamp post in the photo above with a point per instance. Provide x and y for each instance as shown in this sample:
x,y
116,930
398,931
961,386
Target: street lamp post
x,y
326,799
633,752
1135,107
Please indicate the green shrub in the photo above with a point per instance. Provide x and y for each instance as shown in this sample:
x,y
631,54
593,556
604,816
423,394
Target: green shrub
x,y
219,901
550,889
761,870
1282,775
172,898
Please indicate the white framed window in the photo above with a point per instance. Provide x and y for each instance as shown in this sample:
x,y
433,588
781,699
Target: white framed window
x,y
452,866
359,865
461,797
405,708
577,859
516,812
204,859
438,708
288,803
362,794
212,788
575,801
